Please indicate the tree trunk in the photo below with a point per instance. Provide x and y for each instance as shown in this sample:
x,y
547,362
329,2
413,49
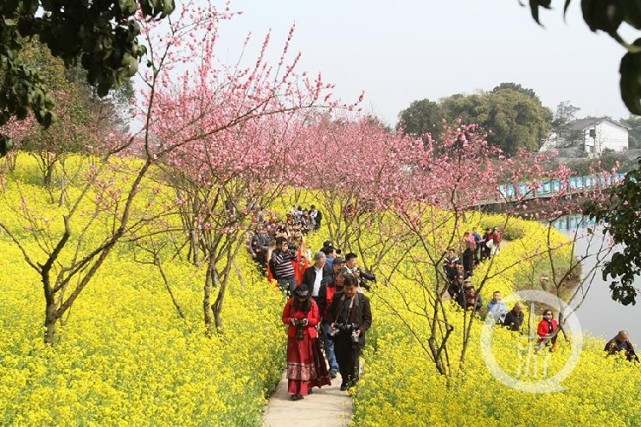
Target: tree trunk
x,y
217,307
48,177
206,305
61,200
50,322
194,245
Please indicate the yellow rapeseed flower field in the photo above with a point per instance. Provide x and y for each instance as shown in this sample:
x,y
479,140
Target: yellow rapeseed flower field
x,y
124,356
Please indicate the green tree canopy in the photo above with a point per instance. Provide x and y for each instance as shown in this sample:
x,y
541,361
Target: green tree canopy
x,y
517,87
514,116
100,35
423,116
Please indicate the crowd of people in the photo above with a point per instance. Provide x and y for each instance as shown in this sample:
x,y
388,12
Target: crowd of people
x,y
328,314
329,311
459,271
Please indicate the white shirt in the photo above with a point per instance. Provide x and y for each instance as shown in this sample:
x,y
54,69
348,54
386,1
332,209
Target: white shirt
x,y
317,281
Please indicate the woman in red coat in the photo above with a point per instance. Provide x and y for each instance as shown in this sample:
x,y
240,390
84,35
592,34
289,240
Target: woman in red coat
x,y
306,366
548,330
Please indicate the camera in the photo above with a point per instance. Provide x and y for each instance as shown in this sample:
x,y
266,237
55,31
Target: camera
x,y
355,336
345,326
300,328
364,277
333,331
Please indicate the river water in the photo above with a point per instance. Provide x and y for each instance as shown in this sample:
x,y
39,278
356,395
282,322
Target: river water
x,y
599,314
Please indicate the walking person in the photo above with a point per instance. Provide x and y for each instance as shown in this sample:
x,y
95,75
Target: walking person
x,y
351,316
281,266
319,280
304,369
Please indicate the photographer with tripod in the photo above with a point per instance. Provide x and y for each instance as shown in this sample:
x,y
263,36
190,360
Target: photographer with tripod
x,y
350,316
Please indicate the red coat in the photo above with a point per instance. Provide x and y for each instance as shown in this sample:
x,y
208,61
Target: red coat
x,y
312,316
544,330
331,290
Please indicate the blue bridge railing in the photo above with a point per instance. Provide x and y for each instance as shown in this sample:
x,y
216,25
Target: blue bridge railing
x,y
550,188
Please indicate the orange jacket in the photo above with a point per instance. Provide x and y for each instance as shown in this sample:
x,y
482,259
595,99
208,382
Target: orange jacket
x,y
299,268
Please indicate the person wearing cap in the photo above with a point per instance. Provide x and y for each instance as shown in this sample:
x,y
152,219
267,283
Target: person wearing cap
x,y
349,316
281,266
305,365
334,269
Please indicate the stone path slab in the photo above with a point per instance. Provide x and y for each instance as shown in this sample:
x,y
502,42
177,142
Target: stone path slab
x,y
326,407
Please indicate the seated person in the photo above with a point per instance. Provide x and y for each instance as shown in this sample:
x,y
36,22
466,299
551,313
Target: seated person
x,y
620,343
514,318
497,308
469,298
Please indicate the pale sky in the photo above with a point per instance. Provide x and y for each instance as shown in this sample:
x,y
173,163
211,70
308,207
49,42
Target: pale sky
x,y
406,50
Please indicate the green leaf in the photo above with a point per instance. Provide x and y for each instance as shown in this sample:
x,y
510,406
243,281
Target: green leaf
x,y
630,69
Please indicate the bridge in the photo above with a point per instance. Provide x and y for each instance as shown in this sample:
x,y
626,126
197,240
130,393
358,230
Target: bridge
x,y
573,187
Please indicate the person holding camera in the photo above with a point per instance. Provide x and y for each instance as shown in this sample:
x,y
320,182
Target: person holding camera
x,y
350,316
363,277
306,366
281,266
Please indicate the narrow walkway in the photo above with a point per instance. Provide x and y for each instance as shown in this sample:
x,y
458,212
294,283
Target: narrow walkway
x,y
326,407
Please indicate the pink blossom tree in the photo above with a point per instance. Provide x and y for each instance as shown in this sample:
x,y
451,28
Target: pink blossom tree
x,y
197,122
227,140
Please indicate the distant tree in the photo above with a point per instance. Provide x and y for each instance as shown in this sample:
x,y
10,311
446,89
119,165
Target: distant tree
x,y
516,119
517,87
633,123
82,114
376,121
564,114
421,117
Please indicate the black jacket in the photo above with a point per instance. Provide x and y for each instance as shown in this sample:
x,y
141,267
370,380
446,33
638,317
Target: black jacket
x,y
513,320
360,315
309,276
